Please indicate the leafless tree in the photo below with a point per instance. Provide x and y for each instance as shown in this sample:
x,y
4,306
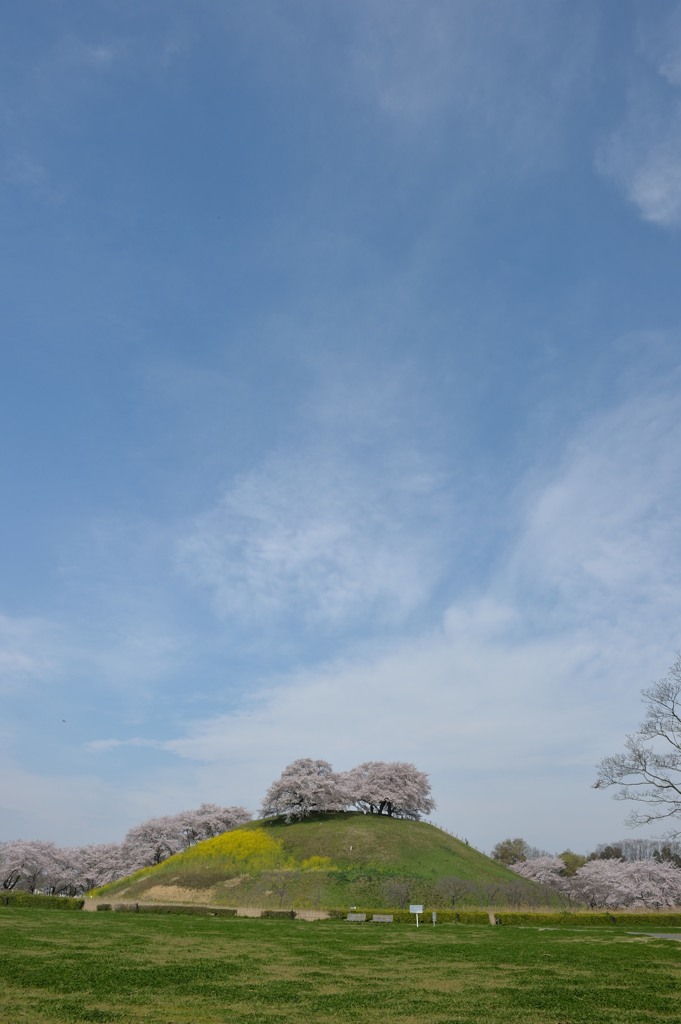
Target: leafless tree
x,y
452,890
398,891
649,770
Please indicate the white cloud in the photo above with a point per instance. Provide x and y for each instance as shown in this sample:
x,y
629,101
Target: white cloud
x,y
33,805
128,655
77,807
100,56
508,68
25,171
604,537
136,54
508,700
106,746
513,699
644,159
660,41
643,155
509,728
114,653
30,650
316,536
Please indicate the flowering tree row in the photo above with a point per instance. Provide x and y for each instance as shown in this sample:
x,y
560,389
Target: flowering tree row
x,y
611,883
307,786
38,866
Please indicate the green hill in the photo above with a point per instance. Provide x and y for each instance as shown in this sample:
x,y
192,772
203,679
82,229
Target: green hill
x,y
331,860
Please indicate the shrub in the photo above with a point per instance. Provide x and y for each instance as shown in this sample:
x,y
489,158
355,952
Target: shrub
x,y
172,908
278,913
38,901
245,852
590,918
317,863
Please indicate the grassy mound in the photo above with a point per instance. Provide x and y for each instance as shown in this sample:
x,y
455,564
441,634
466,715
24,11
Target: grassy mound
x,y
332,860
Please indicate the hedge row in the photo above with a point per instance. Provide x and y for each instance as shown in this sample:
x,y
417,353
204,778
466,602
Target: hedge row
x,y
405,917
588,918
177,908
38,901
593,918
168,908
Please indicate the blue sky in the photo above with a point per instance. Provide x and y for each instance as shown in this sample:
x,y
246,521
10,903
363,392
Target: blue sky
x,y
340,405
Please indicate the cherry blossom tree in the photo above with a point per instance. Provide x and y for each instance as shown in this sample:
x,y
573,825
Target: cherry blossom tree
x,y
616,883
10,864
544,870
152,841
27,864
209,820
653,884
305,786
39,866
609,883
396,788
649,769
98,863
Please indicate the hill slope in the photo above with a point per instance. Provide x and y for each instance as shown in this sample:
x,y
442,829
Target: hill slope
x,y
333,860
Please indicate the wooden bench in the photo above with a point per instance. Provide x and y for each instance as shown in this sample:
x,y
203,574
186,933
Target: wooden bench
x,y
358,918
383,918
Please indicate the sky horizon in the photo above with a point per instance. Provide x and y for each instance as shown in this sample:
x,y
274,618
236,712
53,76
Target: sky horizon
x,y
340,403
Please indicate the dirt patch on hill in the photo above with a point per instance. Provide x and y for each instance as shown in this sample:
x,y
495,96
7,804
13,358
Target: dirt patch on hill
x,y
174,894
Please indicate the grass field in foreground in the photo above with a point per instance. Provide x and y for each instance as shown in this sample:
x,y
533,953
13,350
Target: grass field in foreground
x,y
124,969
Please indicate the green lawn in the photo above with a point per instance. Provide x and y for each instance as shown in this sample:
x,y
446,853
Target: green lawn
x,y
182,970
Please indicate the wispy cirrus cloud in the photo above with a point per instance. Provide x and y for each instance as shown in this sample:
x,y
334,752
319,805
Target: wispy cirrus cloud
x,y
603,538
532,677
316,536
542,665
643,155
476,60
24,171
30,649
126,650
107,745
142,52
643,158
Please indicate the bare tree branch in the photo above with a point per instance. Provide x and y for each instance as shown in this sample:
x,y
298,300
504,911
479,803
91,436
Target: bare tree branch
x,y
649,770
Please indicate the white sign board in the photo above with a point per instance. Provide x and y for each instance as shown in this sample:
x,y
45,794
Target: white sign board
x,y
416,908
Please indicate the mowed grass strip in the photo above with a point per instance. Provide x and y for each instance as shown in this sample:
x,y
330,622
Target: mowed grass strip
x,y
124,969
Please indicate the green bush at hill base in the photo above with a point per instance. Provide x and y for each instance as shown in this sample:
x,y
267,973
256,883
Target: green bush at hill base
x,y
528,919
594,918
333,860
37,901
170,908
